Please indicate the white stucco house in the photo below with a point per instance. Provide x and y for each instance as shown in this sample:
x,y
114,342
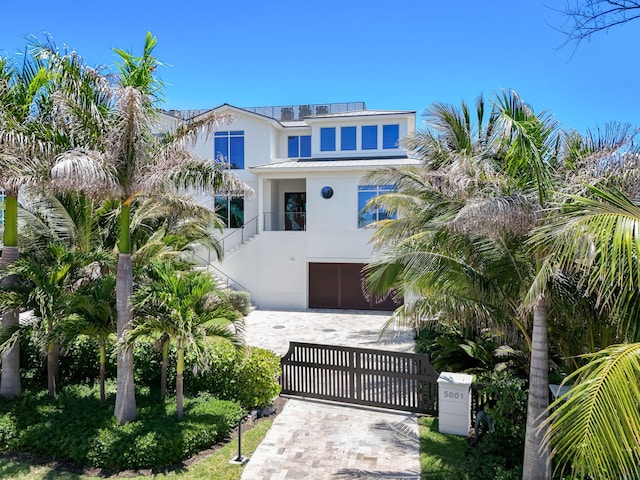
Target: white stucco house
x,y
299,239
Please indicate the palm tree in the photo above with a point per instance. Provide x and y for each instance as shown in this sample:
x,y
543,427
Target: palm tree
x,y
497,193
25,151
131,162
92,312
593,429
46,281
185,307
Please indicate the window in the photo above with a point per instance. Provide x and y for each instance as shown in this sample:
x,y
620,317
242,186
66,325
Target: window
x,y
230,209
328,139
390,136
300,146
348,138
366,193
229,148
370,137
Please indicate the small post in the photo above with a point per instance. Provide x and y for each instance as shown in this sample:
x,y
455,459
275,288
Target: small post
x,y
239,460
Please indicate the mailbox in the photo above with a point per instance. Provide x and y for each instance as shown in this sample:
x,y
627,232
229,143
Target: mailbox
x,y
454,403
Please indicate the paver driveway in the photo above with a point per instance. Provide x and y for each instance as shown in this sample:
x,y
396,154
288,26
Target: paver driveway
x,y
317,440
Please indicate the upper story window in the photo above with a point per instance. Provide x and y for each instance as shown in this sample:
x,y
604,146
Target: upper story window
x,y
229,148
366,193
299,146
390,136
370,137
328,139
348,138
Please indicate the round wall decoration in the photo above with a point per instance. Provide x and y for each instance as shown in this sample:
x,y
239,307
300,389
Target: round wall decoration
x,y
327,192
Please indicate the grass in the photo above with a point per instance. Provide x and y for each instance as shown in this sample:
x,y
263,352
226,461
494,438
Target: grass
x,y
215,466
440,454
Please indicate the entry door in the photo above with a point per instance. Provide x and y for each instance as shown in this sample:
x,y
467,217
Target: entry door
x,y
339,285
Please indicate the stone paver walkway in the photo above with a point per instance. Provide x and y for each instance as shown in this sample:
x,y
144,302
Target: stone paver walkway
x,y
315,440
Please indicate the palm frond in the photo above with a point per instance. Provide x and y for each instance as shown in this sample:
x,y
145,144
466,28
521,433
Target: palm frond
x,y
594,428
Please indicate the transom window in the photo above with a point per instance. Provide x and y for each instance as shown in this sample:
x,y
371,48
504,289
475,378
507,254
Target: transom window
x,y
229,148
299,146
366,193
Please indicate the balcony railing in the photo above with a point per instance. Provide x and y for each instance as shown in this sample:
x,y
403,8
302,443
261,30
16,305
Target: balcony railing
x,y
285,221
289,113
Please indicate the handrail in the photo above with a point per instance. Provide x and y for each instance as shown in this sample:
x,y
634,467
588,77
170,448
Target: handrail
x,y
241,229
228,278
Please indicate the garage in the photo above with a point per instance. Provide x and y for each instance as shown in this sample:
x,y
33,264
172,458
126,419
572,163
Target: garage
x,y
339,286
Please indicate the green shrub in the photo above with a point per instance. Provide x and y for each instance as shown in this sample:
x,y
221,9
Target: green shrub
x,y
241,301
499,454
74,427
249,376
259,373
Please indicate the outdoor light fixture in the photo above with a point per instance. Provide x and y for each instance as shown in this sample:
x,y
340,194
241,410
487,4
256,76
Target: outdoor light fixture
x,y
326,192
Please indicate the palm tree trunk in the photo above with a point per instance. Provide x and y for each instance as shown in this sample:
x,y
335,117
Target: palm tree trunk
x,y
125,409
536,459
53,353
103,370
10,386
179,382
163,368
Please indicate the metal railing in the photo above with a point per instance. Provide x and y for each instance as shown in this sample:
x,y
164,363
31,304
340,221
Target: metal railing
x,y
289,113
239,235
285,221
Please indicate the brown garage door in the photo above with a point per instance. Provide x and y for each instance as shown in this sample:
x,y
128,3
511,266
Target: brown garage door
x,y
339,285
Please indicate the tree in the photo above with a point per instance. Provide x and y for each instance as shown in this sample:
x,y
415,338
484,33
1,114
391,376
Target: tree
x,y
593,429
92,312
586,17
46,281
25,153
185,307
498,198
129,162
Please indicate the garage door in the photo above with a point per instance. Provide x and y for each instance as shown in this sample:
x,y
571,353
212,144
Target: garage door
x,y
339,285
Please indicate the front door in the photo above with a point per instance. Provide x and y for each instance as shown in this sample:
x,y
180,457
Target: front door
x,y
295,206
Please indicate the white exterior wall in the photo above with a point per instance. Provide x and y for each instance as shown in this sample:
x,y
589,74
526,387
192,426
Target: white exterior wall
x,y
273,266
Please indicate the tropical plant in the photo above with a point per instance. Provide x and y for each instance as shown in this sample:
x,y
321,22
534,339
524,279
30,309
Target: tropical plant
x,y
593,428
25,153
472,261
92,312
126,162
183,306
46,281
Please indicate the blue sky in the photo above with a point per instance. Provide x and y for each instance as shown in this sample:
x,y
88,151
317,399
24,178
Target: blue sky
x,y
396,55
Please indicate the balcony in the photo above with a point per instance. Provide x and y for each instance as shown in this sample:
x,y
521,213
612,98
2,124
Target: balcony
x,y
290,113
285,221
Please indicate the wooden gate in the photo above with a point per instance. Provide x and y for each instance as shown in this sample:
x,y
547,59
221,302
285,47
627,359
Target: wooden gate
x,y
379,378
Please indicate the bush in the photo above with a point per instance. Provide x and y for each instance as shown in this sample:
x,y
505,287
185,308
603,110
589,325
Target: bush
x,y
249,376
74,427
499,454
241,301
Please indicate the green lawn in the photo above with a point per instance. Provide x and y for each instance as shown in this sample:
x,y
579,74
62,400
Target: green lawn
x,y
440,454
214,467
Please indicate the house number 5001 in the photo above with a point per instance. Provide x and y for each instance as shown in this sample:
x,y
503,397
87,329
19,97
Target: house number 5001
x,y
454,395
